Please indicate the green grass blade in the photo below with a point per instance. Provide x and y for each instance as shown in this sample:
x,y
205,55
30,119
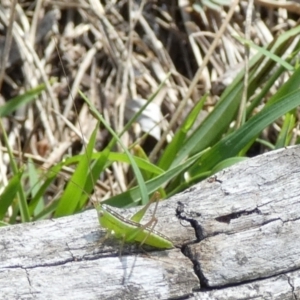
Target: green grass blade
x,y
214,125
9,194
50,176
120,157
70,199
13,104
140,153
265,89
34,179
226,163
47,212
3,224
21,194
267,53
286,131
98,166
178,140
232,144
137,172
133,195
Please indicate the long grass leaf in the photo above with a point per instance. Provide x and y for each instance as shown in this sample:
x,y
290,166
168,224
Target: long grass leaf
x,y
178,140
137,172
13,104
133,195
70,199
9,194
232,144
22,203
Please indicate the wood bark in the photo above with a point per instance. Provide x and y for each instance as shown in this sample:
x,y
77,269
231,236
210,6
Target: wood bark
x,y
237,236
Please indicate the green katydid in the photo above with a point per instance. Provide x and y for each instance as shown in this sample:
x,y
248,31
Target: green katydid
x,y
130,230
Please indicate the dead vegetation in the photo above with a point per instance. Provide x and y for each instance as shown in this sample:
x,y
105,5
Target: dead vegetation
x,y
118,53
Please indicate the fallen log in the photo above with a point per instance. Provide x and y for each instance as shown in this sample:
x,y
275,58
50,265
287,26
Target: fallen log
x,y
237,236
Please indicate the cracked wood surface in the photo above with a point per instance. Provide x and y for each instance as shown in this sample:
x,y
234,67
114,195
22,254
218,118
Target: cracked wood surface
x,y
63,259
247,224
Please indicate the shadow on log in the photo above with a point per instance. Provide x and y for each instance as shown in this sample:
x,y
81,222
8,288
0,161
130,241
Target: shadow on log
x,y
237,236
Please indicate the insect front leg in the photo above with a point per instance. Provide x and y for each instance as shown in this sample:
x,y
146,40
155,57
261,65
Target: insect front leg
x,y
103,239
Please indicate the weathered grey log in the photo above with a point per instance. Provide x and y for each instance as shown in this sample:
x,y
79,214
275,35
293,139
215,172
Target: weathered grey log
x,y
240,239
